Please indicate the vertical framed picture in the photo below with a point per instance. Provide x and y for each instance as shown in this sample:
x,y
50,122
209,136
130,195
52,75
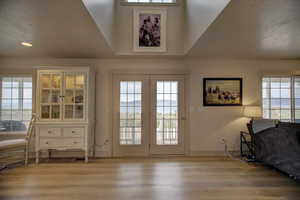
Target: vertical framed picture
x,y
149,31
222,91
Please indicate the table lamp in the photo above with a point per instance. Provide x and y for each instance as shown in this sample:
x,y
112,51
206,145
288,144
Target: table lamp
x,y
252,112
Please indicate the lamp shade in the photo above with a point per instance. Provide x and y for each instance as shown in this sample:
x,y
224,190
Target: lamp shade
x,y
252,111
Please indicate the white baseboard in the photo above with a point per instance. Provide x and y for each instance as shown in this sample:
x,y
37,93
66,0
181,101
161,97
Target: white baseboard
x,y
106,154
207,153
213,153
101,154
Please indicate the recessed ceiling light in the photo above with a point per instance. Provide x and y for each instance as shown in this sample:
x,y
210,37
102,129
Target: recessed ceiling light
x,y
26,44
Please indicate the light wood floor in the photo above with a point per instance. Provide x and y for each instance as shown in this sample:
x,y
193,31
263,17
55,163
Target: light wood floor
x,y
149,178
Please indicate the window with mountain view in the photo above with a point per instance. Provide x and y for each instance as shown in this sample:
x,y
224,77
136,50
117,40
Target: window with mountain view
x,y
15,103
281,98
130,112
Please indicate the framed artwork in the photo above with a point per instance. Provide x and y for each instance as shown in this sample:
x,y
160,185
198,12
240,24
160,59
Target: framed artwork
x,y
222,91
149,31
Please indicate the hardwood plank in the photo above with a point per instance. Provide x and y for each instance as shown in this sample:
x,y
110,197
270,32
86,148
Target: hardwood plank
x,y
147,178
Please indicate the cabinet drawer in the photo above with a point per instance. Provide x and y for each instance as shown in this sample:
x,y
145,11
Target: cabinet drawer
x,y
50,132
73,132
73,142
50,143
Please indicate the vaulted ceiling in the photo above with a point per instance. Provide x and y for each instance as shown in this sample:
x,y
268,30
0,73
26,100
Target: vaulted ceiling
x,y
196,28
253,29
57,28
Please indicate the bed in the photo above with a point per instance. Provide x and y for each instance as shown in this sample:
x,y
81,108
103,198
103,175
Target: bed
x,y
279,147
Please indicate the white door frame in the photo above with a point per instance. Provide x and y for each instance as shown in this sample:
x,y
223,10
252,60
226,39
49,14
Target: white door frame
x,y
144,149
130,150
168,149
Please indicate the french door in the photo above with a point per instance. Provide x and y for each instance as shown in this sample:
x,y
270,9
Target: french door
x,y
148,115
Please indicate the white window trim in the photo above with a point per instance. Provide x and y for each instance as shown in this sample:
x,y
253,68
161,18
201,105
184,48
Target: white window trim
x,y
29,75
126,3
292,91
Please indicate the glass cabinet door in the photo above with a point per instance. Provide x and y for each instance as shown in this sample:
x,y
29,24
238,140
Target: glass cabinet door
x,y
74,96
50,95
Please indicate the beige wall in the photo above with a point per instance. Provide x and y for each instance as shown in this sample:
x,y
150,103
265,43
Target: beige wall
x,y
104,69
207,125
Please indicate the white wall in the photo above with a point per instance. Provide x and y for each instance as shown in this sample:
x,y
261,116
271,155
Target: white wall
x,y
206,124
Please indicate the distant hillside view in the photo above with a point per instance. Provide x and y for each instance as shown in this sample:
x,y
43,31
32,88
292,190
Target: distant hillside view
x,y
166,123
165,103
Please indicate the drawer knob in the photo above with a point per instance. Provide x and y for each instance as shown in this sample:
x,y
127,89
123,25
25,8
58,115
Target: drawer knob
x,y
47,142
75,142
49,132
73,131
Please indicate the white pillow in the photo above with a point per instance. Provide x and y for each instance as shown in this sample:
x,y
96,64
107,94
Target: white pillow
x,y
262,124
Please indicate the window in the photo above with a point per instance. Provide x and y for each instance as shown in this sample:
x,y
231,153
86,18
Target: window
x,y
131,112
15,103
281,98
296,99
149,1
167,112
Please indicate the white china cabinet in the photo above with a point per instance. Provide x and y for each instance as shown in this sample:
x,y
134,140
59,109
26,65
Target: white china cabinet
x,y
65,113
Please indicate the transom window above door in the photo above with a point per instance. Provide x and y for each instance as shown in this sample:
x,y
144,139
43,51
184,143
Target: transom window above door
x,y
168,2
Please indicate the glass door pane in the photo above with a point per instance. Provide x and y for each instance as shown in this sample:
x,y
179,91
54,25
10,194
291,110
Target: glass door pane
x,y
50,95
167,120
69,99
55,96
79,80
45,113
55,112
56,80
167,113
69,112
45,81
79,96
130,113
45,96
69,96
78,111
70,81
74,99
